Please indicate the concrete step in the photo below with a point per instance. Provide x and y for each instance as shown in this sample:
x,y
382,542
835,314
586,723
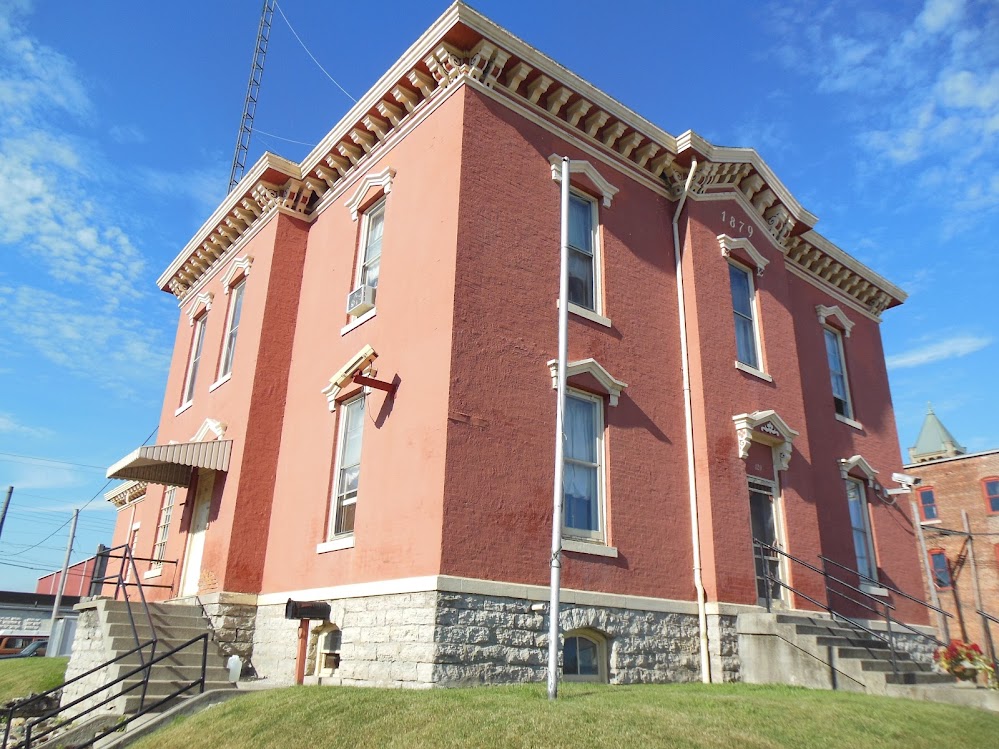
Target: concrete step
x,y
820,630
186,657
181,633
159,619
856,642
805,619
167,609
162,687
214,670
903,666
919,677
871,654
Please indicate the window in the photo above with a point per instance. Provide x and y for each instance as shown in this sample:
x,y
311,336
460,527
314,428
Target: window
x,y
370,255
584,657
583,271
348,466
195,360
743,306
928,504
941,569
837,372
990,488
860,526
229,346
163,528
582,488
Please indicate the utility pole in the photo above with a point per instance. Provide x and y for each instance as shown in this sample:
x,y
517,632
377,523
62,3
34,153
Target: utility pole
x,y
65,570
3,509
978,588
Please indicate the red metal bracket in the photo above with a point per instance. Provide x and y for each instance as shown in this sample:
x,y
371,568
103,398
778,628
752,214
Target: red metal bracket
x,y
388,387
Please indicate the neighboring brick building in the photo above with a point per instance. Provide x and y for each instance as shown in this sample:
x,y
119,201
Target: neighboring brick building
x,y
951,481
438,191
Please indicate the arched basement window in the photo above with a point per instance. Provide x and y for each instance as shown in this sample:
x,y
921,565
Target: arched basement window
x,y
584,657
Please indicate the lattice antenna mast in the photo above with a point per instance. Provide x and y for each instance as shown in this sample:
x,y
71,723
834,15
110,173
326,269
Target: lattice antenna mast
x,y
252,94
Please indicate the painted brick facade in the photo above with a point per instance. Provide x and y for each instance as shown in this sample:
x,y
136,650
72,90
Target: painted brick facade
x,y
457,471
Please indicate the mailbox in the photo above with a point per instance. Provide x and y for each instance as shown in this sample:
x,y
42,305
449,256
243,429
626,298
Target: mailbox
x,y
307,610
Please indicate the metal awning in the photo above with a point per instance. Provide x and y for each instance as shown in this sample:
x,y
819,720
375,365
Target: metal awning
x,y
172,465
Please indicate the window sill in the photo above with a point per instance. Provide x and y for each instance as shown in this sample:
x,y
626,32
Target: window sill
x,y
850,422
183,408
930,522
358,321
219,383
149,574
341,542
874,590
588,314
589,547
753,371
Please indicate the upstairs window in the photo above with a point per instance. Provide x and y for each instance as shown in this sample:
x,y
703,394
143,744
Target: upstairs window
x,y
990,488
370,254
348,467
197,345
163,527
928,504
583,287
941,569
232,328
582,489
860,527
744,308
837,372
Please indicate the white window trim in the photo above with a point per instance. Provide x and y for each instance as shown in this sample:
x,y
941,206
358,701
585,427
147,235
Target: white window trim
x,y
575,309
343,541
382,179
581,166
331,537
755,302
358,321
611,385
200,327
362,246
849,422
728,244
869,527
219,383
598,536
154,572
597,549
598,263
233,298
753,371
601,642
846,374
825,313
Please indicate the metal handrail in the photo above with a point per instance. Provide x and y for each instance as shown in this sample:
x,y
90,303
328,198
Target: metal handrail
x,y
121,584
824,606
890,589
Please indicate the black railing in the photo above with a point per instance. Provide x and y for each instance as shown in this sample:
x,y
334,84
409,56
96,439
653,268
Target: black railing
x,y
126,577
842,590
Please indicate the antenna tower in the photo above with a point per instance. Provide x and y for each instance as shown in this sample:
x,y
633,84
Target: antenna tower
x,y
252,94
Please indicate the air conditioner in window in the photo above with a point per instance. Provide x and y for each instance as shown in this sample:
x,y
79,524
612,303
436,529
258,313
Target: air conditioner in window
x,y
360,300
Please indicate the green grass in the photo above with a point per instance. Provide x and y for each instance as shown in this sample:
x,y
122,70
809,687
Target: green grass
x,y
20,677
621,717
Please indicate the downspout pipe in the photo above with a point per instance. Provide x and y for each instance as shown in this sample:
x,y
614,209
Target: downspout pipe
x,y
688,414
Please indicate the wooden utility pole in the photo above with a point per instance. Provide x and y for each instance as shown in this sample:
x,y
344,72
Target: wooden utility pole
x,y
934,598
65,570
3,509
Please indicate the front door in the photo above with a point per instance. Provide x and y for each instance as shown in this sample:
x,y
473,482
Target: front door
x,y
196,535
761,508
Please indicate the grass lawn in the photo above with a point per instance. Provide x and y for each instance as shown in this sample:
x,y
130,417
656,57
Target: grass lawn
x,y
715,716
19,677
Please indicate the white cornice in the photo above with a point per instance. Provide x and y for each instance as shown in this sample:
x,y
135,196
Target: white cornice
x,y
820,242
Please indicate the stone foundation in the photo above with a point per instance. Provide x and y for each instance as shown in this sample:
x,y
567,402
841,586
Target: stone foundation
x,y
232,622
90,649
420,640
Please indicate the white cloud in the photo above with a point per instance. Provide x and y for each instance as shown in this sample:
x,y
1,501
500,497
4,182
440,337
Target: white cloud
x,y
950,348
939,14
10,425
126,134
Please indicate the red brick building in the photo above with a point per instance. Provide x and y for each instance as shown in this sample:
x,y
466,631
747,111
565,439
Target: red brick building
x,y
393,455
953,482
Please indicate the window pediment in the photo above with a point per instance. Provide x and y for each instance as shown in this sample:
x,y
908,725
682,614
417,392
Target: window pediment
x,y
728,245
201,301
382,179
607,382
210,429
826,314
238,269
605,189
768,428
857,463
343,377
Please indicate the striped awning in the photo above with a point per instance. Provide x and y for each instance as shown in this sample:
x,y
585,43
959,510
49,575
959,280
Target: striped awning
x,y
172,465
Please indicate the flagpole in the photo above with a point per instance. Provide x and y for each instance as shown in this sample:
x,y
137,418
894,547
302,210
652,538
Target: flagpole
x,y
563,337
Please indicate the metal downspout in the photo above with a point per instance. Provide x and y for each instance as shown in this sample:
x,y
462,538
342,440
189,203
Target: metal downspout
x,y
695,529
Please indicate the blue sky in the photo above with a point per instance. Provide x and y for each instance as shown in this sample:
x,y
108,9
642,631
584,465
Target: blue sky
x,y
118,121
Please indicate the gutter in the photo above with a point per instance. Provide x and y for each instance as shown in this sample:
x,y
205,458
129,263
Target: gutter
x,y
695,528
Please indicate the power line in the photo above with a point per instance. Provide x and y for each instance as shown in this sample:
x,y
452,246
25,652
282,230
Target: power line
x,y
53,460
278,137
295,33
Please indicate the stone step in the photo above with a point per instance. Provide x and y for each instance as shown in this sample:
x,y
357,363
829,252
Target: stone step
x,y
162,687
179,633
186,657
903,666
167,609
159,619
829,631
871,654
919,677
805,619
